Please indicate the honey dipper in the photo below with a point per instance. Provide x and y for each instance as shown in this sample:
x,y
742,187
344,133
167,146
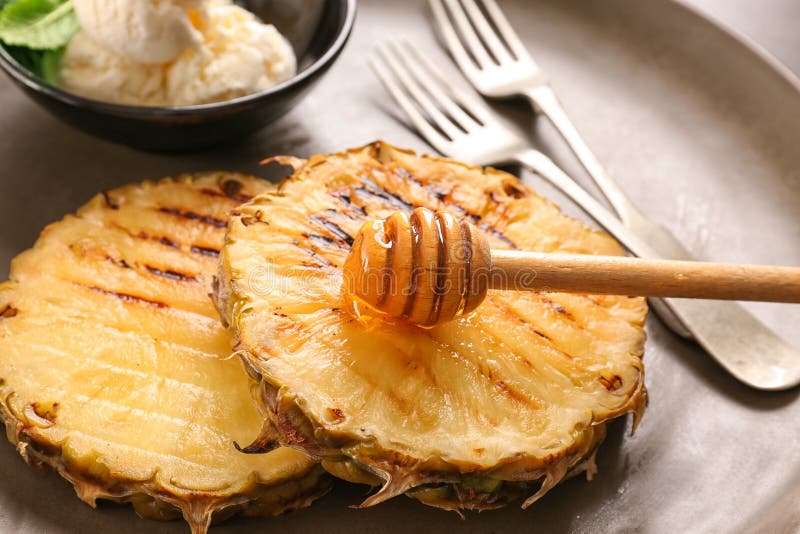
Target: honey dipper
x,y
428,267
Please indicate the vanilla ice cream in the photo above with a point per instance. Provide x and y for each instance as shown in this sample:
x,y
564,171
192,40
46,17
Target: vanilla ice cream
x,y
92,70
240,56
172,52
148,31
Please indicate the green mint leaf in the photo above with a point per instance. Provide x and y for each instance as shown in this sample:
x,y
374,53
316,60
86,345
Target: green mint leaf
x,y
38,24
44,64
31,60
50,65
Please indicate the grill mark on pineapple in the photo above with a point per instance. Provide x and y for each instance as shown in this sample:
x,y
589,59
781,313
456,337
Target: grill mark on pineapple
x,y
477,220
491,230
558,308
324,241
121,263
540,334
126,297
601,301
371,189
147,237
347,200
205,251
434,189
437,191
524,321
461,210
194,216
334,213
163,240
231,187
565,314
165,273
322,261
170,274
501,385
241,198
333,228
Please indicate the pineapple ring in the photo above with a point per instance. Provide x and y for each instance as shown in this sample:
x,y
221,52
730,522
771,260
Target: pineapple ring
x,y
507,401
114,366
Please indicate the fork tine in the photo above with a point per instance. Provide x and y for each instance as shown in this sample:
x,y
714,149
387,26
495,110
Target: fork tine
x,y
406,53
468,39
471,39
486,31
436,139
462,98
450,37
506,31
390,55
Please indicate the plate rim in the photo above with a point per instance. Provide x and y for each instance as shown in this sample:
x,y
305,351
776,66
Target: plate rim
x,y
745,41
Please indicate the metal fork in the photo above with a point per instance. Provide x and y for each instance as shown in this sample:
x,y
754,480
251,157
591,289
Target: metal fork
x,y
498,66
494,60
459,126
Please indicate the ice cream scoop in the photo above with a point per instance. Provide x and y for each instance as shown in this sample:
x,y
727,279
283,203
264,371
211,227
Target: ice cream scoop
x,y
428,267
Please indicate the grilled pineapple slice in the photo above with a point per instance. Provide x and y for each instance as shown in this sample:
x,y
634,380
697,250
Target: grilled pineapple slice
x,y
113,362
505,402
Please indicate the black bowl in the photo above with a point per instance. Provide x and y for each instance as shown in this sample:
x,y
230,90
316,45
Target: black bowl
x,y
318,31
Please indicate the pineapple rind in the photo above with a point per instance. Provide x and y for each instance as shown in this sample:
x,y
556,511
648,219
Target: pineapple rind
x,y
107,319
563,365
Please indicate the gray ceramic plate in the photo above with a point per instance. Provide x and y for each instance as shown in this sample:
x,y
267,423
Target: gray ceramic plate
x,y
699,129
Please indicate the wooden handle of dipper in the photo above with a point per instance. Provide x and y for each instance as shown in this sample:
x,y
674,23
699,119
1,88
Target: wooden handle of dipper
x,y
429,267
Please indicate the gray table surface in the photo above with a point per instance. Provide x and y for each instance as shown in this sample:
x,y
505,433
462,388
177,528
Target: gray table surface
x,y
36,149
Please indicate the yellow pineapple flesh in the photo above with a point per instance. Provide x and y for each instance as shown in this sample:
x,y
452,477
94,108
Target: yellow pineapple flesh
x,y
505,402
115,368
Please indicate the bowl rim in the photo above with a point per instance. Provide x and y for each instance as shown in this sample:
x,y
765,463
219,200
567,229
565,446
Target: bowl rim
x,y
21,75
